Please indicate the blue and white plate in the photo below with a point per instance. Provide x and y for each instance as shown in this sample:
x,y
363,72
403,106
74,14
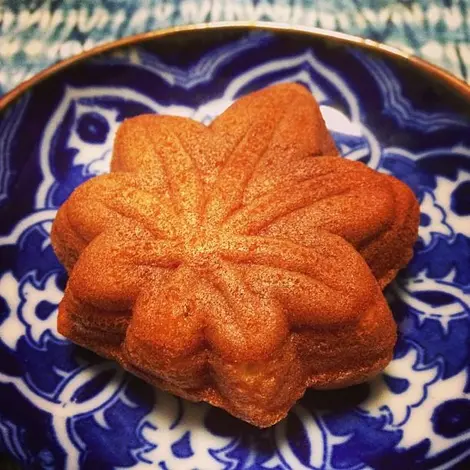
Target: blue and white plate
x,y
62,407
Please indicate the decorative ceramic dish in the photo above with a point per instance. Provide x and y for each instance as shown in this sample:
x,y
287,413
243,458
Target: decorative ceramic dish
x,y
63,407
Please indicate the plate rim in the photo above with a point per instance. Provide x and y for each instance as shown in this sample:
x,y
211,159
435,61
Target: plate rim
x,y
432,70
436,71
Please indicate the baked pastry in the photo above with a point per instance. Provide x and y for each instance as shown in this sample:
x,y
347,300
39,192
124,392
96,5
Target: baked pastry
x,y
238,263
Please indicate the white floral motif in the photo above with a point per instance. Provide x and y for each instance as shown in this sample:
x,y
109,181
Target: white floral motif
x,y
399,406
444,196
437,224
95,157
439,392
22,298
172,420
9,290
457,307
34,294
64,409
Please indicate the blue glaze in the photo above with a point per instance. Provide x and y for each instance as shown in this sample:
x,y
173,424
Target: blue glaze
x,y
92,128
452,418
396,385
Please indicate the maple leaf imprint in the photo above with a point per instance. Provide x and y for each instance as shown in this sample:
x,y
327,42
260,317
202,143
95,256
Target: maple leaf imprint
x,y
210,245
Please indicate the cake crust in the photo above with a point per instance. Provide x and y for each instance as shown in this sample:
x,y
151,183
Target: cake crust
x,y
238,263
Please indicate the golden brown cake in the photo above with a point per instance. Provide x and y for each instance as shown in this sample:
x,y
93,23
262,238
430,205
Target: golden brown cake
x,y
238,263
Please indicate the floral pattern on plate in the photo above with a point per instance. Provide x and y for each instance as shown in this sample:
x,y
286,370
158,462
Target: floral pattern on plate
x,y
63,407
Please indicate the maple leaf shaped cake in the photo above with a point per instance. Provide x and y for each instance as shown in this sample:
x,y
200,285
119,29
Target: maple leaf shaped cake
x,y
239,263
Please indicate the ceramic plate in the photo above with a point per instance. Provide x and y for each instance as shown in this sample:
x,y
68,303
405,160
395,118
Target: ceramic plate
x,y
64,408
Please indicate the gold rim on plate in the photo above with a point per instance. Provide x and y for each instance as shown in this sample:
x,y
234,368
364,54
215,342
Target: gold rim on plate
x,y
446,77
